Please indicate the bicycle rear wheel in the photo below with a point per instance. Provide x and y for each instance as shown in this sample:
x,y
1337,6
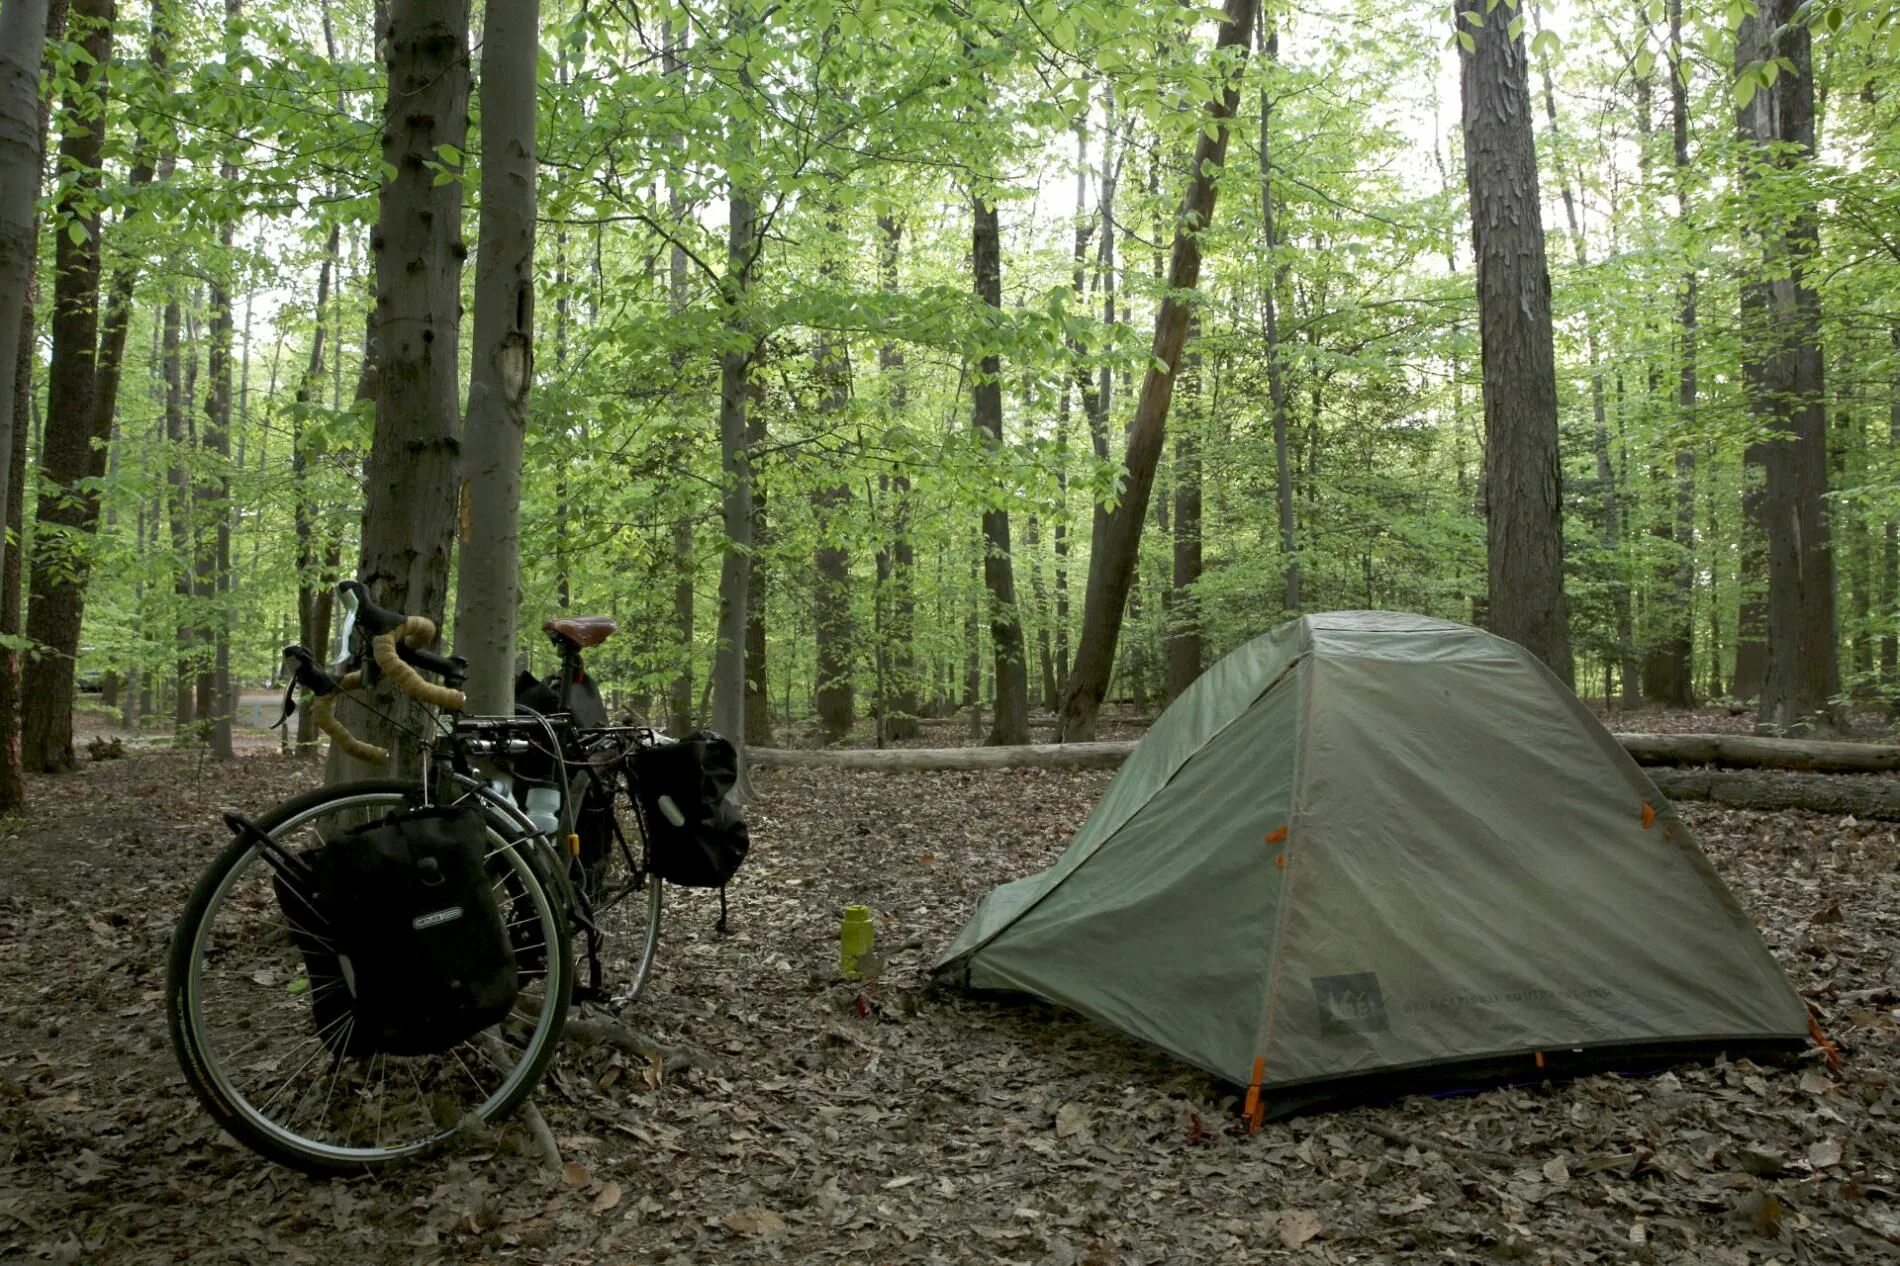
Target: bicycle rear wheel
x,y
238,998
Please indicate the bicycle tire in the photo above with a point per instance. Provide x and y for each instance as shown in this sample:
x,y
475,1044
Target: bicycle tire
x,y
212,1072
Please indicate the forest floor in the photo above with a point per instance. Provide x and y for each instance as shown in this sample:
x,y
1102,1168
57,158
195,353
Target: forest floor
x,y
900,1124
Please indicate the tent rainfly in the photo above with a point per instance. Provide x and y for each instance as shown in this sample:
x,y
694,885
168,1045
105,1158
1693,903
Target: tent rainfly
x,y
1372,852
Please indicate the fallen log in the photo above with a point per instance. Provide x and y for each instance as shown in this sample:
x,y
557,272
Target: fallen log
x,y
922,759
1746,751
1735,750
1842,795
1839,794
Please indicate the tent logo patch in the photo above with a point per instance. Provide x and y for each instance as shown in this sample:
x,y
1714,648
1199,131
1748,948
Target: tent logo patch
x,y
1350,1003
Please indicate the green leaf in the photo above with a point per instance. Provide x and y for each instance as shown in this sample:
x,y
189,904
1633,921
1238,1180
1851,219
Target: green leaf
x,y
1645,62
78,232
1470,45
1745,89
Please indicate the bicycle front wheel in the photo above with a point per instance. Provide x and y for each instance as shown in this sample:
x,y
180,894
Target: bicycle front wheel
x,y
238,997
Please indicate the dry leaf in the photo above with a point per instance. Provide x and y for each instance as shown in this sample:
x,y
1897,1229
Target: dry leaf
x,y
1556,1173
609,1197
755,1222
575,1175
1825,1153
1071,1118
1297,1226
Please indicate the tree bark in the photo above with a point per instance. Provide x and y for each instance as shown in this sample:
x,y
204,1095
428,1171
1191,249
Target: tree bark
x,y
1523,475
214,684
1839,795
66,512
1184,647
685,562
831,564
1270,312
735,362
899,707
22,146
1117,546
1803,671
411,476
758,696
1010,724
488,584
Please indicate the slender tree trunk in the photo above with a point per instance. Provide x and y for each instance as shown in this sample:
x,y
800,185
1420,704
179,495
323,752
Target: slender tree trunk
x,y
729,668
1276,372
685,561
488,585
1011,723
1803,673
901,706
1523,476
312,593
411,477
758,697
1184,649
66,513
1117,547
1890,546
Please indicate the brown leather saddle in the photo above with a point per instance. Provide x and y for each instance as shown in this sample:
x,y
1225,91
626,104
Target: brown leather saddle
x,y
583,631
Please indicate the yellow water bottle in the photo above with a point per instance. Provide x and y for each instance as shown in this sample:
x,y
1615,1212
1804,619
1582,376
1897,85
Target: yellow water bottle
x,y
855,936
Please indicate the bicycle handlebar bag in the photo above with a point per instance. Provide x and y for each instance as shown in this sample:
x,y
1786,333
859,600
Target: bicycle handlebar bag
x,y
420,938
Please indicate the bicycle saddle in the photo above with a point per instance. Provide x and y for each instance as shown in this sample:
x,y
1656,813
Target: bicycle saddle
x,y
582,630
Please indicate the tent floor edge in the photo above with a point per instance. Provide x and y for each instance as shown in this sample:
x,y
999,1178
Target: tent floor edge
x,y
1508,1069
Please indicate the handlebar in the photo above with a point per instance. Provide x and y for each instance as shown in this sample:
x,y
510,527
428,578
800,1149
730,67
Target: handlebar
x,y
399,646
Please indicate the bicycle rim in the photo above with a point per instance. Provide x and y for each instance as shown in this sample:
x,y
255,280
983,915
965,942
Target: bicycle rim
x,y
245,1019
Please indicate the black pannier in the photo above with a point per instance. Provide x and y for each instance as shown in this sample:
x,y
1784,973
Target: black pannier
x,y
402,932
698,837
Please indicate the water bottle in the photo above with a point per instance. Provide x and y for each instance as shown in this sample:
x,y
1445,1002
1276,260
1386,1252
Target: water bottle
x,y
855,937
544,809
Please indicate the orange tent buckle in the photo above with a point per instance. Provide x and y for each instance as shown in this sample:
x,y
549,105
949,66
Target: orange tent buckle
x,y
1820,1039
1255,1109
1649,815
1278,834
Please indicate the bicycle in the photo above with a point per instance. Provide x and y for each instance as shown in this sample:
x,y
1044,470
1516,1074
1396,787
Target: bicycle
x,y
240,993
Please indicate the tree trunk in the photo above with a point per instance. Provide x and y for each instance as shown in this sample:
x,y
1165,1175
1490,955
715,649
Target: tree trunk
x,y
20,395
1184,649
66,513
488,584
1011,722
758,697
831,570
1890,545
901,707
729,666
1803,673
1276,372
22,146
214,685
411,476
1522,475
1117,547
685,563
313,594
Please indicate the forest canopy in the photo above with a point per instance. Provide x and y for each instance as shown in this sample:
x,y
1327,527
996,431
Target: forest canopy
x,y
899,272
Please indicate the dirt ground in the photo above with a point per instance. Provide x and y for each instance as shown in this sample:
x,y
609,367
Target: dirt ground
x,y
899,1124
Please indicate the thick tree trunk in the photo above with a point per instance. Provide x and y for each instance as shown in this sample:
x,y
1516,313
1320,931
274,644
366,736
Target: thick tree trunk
x,y
411,477
1838,795
22,143
1117,545
1803,672
1523,476
20,397
1011,722
66,512
1751,619
488,584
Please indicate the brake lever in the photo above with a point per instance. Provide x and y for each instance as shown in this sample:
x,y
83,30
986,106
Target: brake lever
x,y
301,665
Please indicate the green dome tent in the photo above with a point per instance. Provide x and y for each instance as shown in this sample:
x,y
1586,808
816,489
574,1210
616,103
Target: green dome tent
x,y
1371,852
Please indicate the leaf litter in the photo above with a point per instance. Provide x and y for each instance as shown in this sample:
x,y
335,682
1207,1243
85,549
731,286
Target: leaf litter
x,y
891,1122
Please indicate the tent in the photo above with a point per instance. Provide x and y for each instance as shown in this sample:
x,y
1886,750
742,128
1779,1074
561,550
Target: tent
x,y
1371,852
